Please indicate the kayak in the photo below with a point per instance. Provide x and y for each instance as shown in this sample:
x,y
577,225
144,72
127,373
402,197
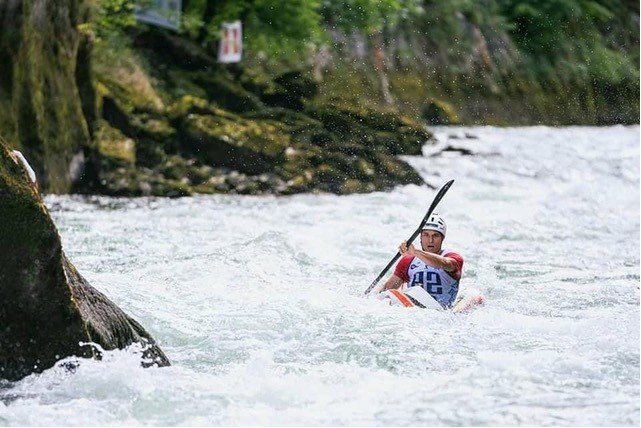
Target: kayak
x,y
416,297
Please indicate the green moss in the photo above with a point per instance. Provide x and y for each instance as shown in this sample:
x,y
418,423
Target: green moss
x,y
175,168
351,186
43,112
438,112
189,104
263,137
118,69
155,127
171,188
149,153
227,94
113,144
364,168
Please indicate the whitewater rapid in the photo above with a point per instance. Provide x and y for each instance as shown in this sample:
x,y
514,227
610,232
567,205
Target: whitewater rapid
x,y
257,301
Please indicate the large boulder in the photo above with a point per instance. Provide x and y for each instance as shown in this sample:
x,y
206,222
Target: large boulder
x,y
48,311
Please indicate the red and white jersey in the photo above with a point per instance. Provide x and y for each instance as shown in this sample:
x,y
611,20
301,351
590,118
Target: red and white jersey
x,y
442,285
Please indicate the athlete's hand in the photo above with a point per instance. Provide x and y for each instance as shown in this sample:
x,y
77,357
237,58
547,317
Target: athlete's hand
x,y
406,249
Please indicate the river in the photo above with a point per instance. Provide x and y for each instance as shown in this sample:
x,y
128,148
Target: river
x,y
258,303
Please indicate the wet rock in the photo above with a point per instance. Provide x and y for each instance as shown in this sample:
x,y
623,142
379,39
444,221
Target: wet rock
x,y
290,90
439,112
462,150
249,146
47,309
227,94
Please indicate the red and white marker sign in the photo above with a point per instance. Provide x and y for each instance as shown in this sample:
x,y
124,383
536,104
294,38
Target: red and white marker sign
x,y
231,43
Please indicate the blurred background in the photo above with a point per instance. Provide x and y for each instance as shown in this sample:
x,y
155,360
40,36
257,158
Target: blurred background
x,y
171,98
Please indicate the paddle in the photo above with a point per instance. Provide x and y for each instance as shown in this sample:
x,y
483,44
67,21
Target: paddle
x,y
435,202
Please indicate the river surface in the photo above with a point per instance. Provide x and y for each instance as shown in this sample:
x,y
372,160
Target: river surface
x,y
258,301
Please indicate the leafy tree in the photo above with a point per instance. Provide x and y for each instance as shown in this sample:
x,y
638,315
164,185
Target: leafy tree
x,y
275,26
572,37
113,15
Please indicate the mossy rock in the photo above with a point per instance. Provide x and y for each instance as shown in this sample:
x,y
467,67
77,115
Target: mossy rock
x,y
48,311
393,171
149,153
439,112
315,134
41,108
289,90
326,173
364,169
226,93
180,52
189,104
123,181
283,115
113,144
143,182
117,115
256,80
277,97
300,183
178,168
148,128
297,84
170,189
131,85
252,146
350,186
335,120
379,120
179,84
205,189
393,133
405,140
199,174
154,127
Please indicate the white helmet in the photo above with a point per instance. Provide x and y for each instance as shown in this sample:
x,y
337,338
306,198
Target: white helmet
x,y
436,222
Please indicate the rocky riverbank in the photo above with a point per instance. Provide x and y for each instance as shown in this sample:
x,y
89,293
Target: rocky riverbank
x,y
208,128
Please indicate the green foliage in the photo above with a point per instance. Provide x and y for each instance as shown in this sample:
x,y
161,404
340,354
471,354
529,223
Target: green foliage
x,y
367,15
280,27
113,15
192,17
568,40
469,47
440,28
575,38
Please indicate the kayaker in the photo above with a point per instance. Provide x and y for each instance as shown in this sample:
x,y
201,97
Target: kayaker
x,y
437,270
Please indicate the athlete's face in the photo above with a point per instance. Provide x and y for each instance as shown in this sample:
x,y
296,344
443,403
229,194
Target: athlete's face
x,y
431,241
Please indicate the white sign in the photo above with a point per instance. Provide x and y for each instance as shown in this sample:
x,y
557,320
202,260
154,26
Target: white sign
x,y
162,13
231,42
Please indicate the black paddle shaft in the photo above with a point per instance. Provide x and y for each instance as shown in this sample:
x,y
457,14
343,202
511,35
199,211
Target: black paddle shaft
x,y
435,202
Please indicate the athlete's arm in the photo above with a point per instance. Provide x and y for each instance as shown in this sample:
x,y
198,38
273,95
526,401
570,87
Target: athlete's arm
x,y
446,263
393,282
399,277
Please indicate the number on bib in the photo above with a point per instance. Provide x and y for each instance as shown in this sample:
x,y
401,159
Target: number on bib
x,y
430,281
